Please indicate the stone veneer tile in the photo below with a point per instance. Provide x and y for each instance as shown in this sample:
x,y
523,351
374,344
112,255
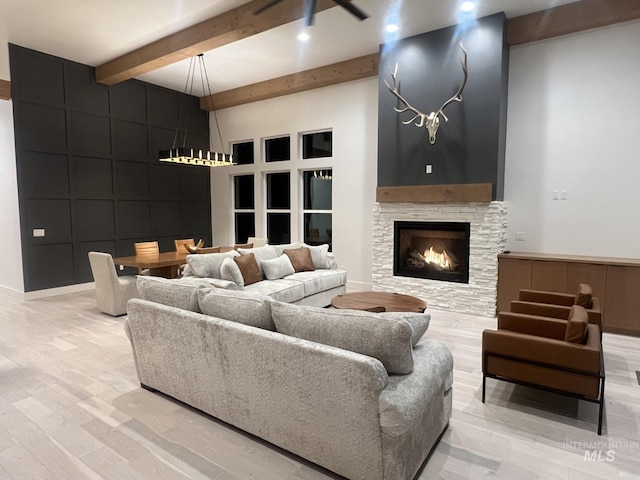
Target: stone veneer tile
x,y
488,239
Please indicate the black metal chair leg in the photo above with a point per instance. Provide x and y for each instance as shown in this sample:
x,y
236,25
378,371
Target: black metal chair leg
x,y
484,385
601,402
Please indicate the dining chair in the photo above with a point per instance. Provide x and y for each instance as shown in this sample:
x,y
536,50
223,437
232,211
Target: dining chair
x,y
181,244
146,248
112,292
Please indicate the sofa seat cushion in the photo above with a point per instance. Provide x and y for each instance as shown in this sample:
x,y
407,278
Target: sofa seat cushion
x,y
180,293
387,340
281,290
319,280
405,397
242,306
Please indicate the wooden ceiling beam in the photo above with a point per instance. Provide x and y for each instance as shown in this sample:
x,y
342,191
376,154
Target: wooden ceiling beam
x,y
221,30
5,90
570,18
354,69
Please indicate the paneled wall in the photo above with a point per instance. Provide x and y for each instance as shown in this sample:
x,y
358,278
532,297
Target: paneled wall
x,y
88,169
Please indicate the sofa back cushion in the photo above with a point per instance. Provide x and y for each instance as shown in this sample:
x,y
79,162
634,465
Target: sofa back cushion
x,y
419,323
240,306
583,297
207,265
576,329
174,293
387,339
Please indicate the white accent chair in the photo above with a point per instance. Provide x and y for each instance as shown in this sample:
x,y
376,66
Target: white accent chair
x,y
257,241
112,292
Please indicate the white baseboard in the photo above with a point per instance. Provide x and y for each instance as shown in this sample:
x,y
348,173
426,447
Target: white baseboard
x,y
52,292
12,291
353,286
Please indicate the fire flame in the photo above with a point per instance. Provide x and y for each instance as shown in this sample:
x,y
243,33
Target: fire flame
x,y
441,260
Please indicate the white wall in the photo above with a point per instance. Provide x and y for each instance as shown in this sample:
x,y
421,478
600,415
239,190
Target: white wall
x,y
574,124
10,246
351,111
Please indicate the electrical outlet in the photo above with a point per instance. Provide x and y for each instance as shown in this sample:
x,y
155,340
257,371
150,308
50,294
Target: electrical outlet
x,y
563,194
121,267
555,195
520,236
428,169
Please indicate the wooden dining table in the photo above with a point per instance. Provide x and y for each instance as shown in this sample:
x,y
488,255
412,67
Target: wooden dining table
x,y
164,264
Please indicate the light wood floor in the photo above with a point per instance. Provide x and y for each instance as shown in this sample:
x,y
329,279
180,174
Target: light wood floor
x,y
71,408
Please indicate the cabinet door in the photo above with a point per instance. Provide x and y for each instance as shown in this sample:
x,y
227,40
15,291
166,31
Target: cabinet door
x,y
622,301
549,276
589,273
513,274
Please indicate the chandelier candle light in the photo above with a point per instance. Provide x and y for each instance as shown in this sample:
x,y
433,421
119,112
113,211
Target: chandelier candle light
x,y
196,156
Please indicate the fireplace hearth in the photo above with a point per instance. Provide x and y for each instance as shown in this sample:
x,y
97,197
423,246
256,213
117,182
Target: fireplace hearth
x,y
432,250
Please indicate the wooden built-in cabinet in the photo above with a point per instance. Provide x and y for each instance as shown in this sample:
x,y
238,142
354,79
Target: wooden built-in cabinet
x,y
615,281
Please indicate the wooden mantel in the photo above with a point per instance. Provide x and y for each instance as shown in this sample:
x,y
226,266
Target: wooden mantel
x,y
457,193
5,90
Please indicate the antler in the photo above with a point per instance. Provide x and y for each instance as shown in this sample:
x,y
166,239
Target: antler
x,y
458,96
408,106
431,121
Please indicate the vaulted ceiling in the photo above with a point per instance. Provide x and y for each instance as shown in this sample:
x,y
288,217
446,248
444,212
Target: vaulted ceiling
x,y
153,39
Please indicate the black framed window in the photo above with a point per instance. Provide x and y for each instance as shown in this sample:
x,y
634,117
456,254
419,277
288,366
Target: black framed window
x,y
243,153
278,207
317,190
317,145
277,149
244,207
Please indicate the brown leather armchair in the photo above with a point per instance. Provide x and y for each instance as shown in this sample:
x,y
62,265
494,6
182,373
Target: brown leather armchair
x,y
555,355
558,305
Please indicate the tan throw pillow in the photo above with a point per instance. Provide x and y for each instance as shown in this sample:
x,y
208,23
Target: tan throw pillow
x,y
301,259
576,330
583,297
249,268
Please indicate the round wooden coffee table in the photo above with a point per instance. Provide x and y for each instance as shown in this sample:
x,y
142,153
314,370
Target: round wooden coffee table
x,y
379,302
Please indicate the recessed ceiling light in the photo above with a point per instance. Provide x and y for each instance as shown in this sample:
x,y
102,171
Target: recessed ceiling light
x,y
303,36
391,28
467,6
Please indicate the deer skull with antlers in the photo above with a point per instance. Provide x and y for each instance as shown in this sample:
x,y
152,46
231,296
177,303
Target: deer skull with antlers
x,y
431,121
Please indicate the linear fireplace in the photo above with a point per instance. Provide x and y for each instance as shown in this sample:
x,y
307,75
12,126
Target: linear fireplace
x,y
432,250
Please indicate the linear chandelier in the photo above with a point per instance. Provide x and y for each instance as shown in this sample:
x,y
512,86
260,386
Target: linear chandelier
x,y
189,155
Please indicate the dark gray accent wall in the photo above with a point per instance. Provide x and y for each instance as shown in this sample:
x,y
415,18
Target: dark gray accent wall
x,y
470,147
88,169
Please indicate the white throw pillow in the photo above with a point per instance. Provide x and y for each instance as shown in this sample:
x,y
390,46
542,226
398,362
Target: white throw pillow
x,y
230,271
319,255
261,254
207,265
277,268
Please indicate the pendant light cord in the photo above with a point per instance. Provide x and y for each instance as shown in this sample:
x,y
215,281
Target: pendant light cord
x,y
208,89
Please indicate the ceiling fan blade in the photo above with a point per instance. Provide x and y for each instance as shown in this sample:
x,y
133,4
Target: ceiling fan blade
x,y
351,8
309,11
266,7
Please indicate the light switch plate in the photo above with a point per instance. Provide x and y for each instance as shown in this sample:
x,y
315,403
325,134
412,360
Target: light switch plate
x,y
38,232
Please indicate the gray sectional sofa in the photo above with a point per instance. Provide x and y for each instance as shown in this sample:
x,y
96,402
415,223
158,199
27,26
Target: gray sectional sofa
x,y
358,393
280,280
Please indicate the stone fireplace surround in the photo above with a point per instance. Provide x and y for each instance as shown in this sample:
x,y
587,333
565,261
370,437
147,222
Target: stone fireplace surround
x,y
488,239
